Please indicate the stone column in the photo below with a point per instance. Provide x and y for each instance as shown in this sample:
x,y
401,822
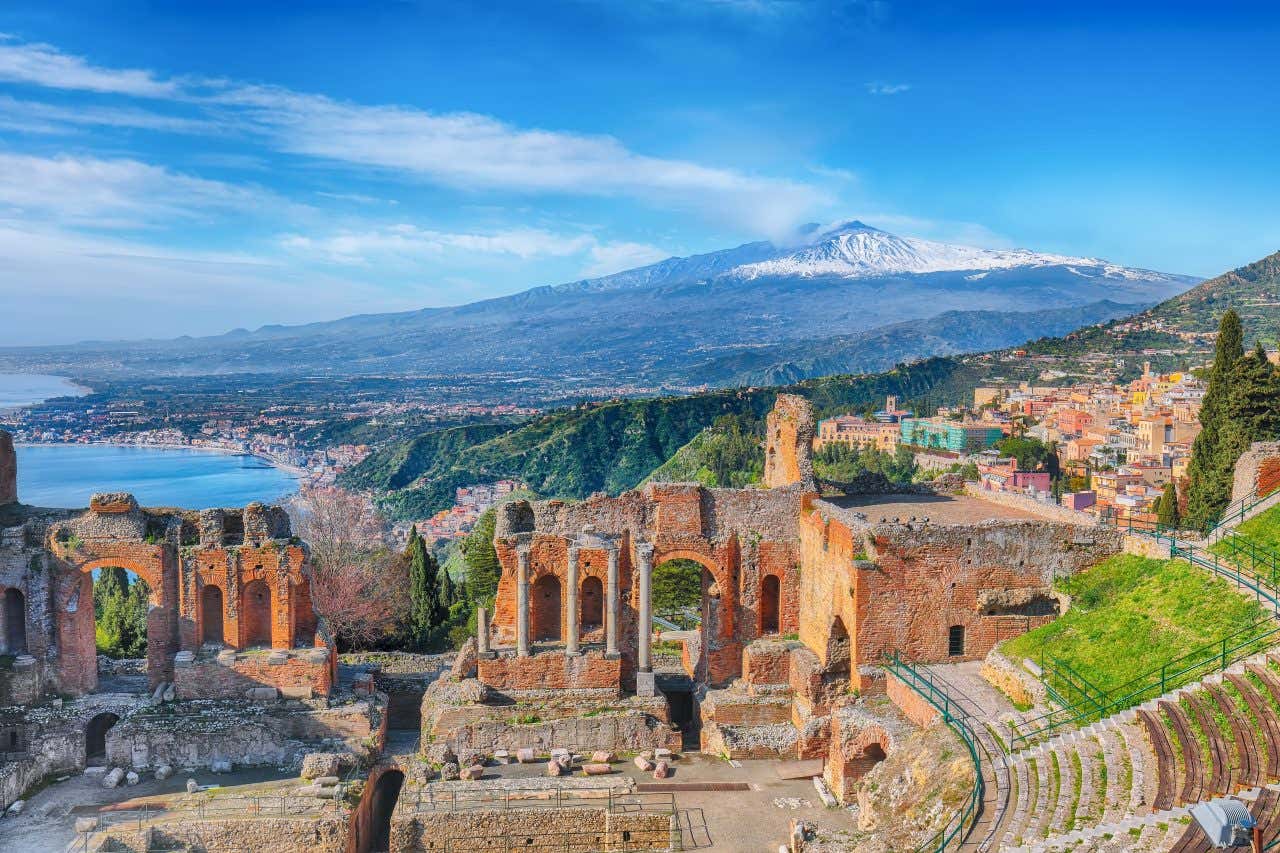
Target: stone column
x,y
482,632
522,603
571,623
644,662
611,608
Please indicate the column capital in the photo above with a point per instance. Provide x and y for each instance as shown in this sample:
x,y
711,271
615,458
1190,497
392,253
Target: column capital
x,y
644,549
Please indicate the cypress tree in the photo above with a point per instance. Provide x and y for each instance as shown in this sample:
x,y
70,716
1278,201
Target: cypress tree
x,y
426,614
1209,471
447,593
1167,506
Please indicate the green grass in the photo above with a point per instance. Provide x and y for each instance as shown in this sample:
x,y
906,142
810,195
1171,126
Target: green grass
x,y
1130,615
1263,529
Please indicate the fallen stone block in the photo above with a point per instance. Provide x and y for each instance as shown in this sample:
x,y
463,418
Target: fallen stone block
x,y
317,764
501,756
16,807
661,770
113,779
472,773
643,763
192,786
602,756
327,780
262,694
824,793
131,778
449,771
164,771
86,824
96,771
554,768
662,754
596,769
525,755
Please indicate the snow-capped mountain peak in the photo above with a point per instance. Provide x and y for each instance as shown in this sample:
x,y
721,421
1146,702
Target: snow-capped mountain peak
x,y
855,250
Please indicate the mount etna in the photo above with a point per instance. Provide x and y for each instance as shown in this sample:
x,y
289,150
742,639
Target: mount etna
x,y
844,298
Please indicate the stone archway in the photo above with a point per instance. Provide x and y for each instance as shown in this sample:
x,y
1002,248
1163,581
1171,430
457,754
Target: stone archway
x,y
255,614
95,738
386,792
839,651
545,622
15,622
211,615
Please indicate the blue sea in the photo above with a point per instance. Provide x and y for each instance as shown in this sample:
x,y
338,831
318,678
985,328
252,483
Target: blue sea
x,y
65,475
23,389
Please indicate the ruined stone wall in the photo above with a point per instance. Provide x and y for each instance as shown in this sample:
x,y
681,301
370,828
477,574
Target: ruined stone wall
x,y
8,470
918,580
1257,471
740,536
551,671
293,673
788,450
319,833
909,702
576,830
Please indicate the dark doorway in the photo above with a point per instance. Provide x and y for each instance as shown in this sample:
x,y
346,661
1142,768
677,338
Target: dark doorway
x,y
770,594
546,608
255,612
684,713
95,739
839,650
15,622
955,641
211,614
385,793
404,709
592,609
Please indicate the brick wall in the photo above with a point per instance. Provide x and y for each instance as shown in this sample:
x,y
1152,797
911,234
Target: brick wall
x,y
910,703
551,670
298,674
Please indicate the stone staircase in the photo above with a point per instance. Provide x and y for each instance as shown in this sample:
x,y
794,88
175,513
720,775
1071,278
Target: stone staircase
x,y
1126,782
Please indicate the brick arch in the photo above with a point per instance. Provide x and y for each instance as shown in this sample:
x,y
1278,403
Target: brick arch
x,y
151,571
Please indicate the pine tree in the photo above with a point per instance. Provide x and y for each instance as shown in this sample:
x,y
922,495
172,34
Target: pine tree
x,y
1209,472
483,568
1167,507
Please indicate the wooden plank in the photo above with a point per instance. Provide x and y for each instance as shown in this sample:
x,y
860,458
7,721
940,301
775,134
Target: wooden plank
x,y
1166,765
1265,714
1219,753
1192,760
1246,737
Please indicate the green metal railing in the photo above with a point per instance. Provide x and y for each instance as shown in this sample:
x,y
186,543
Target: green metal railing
x,y
1236,511
962,822
1192,666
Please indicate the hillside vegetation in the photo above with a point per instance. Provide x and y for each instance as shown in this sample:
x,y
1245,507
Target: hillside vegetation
x,y
614,446
1130,615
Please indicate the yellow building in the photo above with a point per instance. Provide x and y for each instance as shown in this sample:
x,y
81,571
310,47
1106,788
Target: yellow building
x,y
856,432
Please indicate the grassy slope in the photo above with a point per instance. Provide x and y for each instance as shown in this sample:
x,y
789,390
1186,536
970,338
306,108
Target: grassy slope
x,y
1130,615
1263,529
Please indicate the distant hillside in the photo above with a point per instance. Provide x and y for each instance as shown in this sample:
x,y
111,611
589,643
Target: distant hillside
x,y
844,291
612,447
1253,290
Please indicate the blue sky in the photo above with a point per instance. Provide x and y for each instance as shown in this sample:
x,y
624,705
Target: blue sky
x,y
187,168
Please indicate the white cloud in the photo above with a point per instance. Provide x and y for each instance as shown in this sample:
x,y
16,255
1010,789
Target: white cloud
x,y
888,88
460,150
45,65
411,244
609,258
36,117
86,191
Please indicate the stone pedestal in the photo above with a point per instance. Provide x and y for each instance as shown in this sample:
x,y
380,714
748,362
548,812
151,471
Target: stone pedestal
x,y
482,633
646,684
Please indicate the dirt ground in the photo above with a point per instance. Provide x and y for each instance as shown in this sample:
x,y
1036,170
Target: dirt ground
x,y
757,819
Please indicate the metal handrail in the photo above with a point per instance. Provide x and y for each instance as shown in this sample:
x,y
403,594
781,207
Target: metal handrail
x,y
959,826
1236,511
